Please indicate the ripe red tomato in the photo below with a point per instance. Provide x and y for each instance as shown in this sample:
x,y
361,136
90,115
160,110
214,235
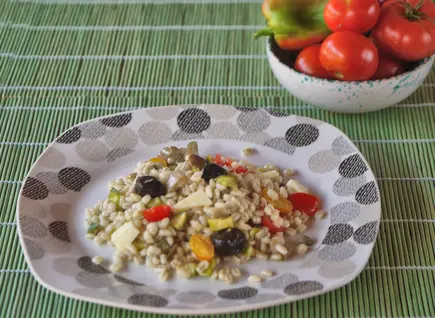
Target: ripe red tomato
x,y
351,15
388,67
157,213
308,62
350,56
406,30
305,203
267,222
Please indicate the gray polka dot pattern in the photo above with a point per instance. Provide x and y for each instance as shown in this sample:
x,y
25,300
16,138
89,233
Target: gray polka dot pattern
x,y
38,210
55,246
60,211
338,233
93,280
117,120
154,133
66,266
34,249
195,297
344,187
323,161
223,130
336,270
86,264
127,281
238,293
253,122
352,167
366,234
221,112
312,260
52,159
344,212
193,121
70,136
118,153
367,194
148,300
182,135
246,109
277,113
339,252
341,146
258,138
279,143
92,150
32,227
302,135
121,138
34,189
280,281
164,113
59,229
303,287
93,130
74,178
51,182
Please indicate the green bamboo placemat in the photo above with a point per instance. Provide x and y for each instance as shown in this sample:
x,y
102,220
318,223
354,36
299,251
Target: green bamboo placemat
x,y
65,61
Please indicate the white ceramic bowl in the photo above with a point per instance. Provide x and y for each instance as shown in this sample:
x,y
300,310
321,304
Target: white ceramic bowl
x,y
349,97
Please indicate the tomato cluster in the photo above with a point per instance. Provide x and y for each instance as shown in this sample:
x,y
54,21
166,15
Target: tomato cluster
x,y
370,39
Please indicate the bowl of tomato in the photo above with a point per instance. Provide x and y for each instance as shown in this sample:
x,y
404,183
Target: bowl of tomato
x,y
374,55
347,96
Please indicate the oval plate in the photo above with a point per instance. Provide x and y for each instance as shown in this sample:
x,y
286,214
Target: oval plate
x,y
73,172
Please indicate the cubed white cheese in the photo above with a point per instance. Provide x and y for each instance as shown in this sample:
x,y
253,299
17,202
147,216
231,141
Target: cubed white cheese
x,y
197,199
124,235
294,186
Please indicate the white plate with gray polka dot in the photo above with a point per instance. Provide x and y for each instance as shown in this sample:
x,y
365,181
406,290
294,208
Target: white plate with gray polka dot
x,y
73,172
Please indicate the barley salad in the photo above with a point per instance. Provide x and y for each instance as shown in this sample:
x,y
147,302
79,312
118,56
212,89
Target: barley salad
x,y
194,216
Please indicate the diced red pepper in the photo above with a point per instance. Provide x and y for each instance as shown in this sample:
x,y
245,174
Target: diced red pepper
x,y
218,160
241,169
267,222
228,162
157,213
305,203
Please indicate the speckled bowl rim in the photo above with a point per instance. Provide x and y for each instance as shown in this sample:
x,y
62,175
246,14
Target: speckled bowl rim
x,y
423,63
197,311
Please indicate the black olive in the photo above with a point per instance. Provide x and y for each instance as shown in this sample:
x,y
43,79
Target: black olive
x,y
212,171
229,241
149,185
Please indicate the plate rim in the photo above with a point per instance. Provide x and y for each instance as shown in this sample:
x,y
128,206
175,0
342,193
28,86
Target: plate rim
x,y
196,311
